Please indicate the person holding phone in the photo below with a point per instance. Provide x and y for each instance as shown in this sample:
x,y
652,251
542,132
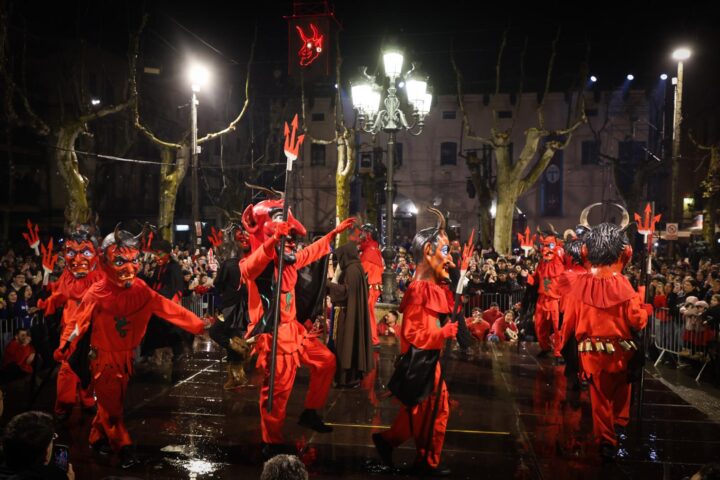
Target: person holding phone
x,y
30,449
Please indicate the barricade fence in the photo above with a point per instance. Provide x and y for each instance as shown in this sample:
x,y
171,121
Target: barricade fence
x,y
483,300
686,336
198,304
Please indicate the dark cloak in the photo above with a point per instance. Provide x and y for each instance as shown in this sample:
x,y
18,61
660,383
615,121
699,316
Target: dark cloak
x,y
350,294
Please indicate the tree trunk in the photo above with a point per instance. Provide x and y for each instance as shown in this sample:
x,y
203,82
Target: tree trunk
x,y
171,176
712,197
77,209
343,176
370,195
507,196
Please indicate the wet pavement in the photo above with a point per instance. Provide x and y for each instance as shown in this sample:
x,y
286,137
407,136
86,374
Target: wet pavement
x,y
512,416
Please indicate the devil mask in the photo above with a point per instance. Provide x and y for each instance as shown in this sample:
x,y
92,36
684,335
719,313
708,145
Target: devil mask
x,y
261,219
80,252
433,246
606,244
121,257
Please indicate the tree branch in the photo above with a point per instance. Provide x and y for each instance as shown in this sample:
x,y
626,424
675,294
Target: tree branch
x,y
541,117
520,86
233,124
503,43
466,122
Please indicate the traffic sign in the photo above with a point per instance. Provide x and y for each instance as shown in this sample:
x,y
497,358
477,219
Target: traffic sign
x,y
671,231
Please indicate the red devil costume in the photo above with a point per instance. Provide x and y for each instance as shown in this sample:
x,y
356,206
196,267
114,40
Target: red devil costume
x,y
296,346
111,320
605,313
80,252
372,263
424,416
547,308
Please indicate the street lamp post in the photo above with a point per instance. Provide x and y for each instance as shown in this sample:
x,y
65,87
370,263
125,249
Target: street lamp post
x,y
366,96
198,77
680,54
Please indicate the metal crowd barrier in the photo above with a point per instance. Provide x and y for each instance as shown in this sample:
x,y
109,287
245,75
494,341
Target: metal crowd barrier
x,y
685,336
504,300
200,304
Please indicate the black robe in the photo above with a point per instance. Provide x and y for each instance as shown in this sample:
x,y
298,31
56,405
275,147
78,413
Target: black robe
x,y
350,295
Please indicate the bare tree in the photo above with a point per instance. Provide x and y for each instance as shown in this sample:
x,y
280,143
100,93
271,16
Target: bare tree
x,y
344,140
174,160
515,178
711,193
76,113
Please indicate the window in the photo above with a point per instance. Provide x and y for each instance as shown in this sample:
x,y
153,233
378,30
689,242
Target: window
x,y
317,155
448,115
318,117
591,112
365,165
505,114
631,155
590,153
448,153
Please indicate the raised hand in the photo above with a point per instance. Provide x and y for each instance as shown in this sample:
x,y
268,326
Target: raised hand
x,y
282,229
344,225
215,237
32,237
467,252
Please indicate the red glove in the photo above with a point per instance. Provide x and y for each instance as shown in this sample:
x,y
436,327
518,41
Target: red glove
x,y
282,229
449,330
344,225
59,355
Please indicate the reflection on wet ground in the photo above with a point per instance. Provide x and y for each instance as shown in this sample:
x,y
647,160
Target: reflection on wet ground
x,y
512,416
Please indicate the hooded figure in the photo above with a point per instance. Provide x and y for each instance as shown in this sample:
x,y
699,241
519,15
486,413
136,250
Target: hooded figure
x,y
354,336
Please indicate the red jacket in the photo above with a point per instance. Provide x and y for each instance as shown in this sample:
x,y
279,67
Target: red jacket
x,y
372,262
604,307
18,354
421,306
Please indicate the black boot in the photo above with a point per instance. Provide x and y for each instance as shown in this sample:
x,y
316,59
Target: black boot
x,y
310,419
383,448
128,458
102,447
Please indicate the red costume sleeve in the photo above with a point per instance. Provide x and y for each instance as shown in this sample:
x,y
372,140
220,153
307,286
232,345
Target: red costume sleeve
x,y
52,303
253,265
419,328
313,252
177,315
78,324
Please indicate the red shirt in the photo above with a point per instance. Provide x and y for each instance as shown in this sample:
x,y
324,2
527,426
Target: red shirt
x,y
18,354
479,330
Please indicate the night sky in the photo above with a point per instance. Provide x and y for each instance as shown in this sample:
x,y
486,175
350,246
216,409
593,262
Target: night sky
x,y
615,38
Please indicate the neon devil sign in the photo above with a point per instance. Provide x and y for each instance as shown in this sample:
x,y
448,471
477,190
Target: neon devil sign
x,y
312,45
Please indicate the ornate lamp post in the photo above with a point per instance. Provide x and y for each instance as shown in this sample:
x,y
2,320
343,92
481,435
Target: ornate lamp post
x,y
680,54
198,76
366,96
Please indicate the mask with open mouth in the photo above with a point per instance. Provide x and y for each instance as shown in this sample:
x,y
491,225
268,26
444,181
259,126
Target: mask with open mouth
x,y
432,245
121,257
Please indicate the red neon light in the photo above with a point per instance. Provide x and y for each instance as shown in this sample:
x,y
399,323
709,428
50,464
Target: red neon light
x,y
312,45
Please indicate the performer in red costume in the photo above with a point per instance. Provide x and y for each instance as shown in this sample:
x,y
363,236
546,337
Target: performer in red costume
x,y
80,252
112,319
372,263
423,303
605,313
547,308
296,345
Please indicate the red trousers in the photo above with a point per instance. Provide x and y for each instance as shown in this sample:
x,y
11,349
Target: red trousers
x,y
313,354
547,319
110,388
69,389
610,401
415,423
373,295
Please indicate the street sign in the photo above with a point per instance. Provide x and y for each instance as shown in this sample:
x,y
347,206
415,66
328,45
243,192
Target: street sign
x,y
671,231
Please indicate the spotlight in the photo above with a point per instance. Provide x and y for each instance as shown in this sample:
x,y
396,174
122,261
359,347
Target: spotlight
x,y
631,76
593,78
663,76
